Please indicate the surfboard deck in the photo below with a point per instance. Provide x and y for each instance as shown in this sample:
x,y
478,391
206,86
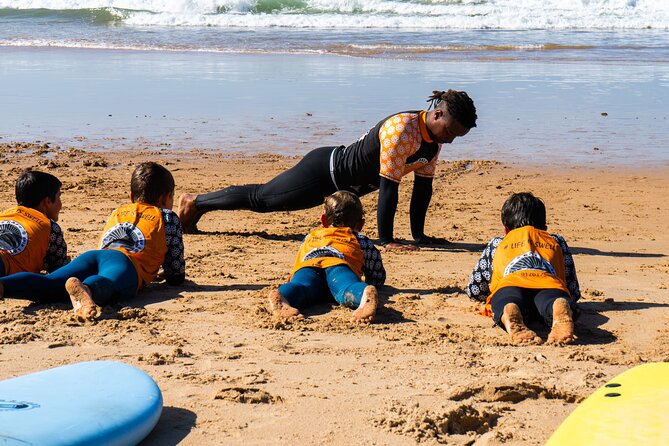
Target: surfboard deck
x,y
100,403
631,409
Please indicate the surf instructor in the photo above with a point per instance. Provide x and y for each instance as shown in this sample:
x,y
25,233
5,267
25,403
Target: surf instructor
x,y
399,144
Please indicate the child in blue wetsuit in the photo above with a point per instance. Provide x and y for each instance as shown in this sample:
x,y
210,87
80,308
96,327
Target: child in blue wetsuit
x,y
138,238
333,260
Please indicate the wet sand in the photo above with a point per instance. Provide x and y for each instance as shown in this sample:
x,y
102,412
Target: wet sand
x,y
584,112
429,370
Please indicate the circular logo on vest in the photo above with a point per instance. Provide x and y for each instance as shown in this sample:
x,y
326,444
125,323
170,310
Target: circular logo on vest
x,y
324,251
124,235
13,237
529,261
7,405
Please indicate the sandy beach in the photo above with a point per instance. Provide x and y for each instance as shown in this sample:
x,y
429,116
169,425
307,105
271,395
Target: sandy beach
x,y
429,370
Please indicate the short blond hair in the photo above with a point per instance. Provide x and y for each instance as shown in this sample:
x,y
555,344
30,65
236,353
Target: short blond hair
x,y
343,209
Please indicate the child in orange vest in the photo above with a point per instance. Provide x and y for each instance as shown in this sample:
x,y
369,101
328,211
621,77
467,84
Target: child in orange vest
x,y
30,238
332,262
138,238
527,273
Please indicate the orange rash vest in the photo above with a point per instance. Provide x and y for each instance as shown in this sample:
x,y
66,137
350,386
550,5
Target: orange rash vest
x,y
325,247
527,258
27,248
138,230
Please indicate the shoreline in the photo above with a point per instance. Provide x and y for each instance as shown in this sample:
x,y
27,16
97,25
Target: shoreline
x,y
528,110
24,148
230,374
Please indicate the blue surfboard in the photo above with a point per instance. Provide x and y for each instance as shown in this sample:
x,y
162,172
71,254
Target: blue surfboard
x,y
100,403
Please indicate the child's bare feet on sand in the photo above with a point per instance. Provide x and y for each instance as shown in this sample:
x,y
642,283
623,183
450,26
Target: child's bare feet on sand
x,y
82,300
188,213
512,319
367,309
281,309
562,332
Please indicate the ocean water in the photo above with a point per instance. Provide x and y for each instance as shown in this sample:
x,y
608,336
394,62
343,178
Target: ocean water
x,y
583,81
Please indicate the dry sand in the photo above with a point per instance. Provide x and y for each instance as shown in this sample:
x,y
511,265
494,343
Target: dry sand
x,y
430,370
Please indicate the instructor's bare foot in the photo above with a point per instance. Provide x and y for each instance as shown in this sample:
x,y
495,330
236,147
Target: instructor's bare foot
x,y
188,213
395,246
562,332
82,300
512,319
367,309
281,309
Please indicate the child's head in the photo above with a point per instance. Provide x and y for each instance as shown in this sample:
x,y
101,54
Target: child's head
x,y
523,209
39,190
152,184
343,209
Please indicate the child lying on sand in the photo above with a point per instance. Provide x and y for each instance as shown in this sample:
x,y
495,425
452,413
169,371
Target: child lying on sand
x,y
331,262
30,238
138,239
527,274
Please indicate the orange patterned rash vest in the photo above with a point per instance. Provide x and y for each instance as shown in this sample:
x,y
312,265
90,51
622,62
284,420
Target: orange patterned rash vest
x,y
25,239
401,136
138,230
528,258
325,247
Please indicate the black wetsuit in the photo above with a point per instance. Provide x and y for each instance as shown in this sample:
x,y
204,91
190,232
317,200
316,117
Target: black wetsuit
x,y
323,171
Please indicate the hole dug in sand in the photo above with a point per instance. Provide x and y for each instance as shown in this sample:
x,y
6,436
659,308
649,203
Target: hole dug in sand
x,y
247,395
444,425
513,393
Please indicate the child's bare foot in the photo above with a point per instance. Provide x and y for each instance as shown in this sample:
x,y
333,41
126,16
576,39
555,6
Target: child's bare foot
x,y
562,332
188,213
512,319
281,309
82,300
367,309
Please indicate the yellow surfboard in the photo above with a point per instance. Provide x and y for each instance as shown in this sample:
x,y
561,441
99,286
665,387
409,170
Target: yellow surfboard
x,y
632,410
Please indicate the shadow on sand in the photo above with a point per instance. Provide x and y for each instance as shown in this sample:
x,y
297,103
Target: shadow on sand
x,y
591,318
173,426
597,252
262,234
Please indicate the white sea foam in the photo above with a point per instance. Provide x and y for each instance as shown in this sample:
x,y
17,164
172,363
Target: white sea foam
x,y
437,14
87,45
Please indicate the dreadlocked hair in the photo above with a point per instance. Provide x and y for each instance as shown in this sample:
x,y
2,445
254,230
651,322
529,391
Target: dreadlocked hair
x,y
457,103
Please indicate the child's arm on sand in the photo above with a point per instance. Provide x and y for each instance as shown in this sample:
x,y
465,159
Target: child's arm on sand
x,y
56,253
569,268
479,282
375,273
174,265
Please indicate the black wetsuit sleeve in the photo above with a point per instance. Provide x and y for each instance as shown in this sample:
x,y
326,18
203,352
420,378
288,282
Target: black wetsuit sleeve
x,y
385,212
174,265
420,200
375,273
56,254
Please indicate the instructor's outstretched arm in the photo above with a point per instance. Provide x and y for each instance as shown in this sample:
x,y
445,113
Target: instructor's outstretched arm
x,y
385,215
420,201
